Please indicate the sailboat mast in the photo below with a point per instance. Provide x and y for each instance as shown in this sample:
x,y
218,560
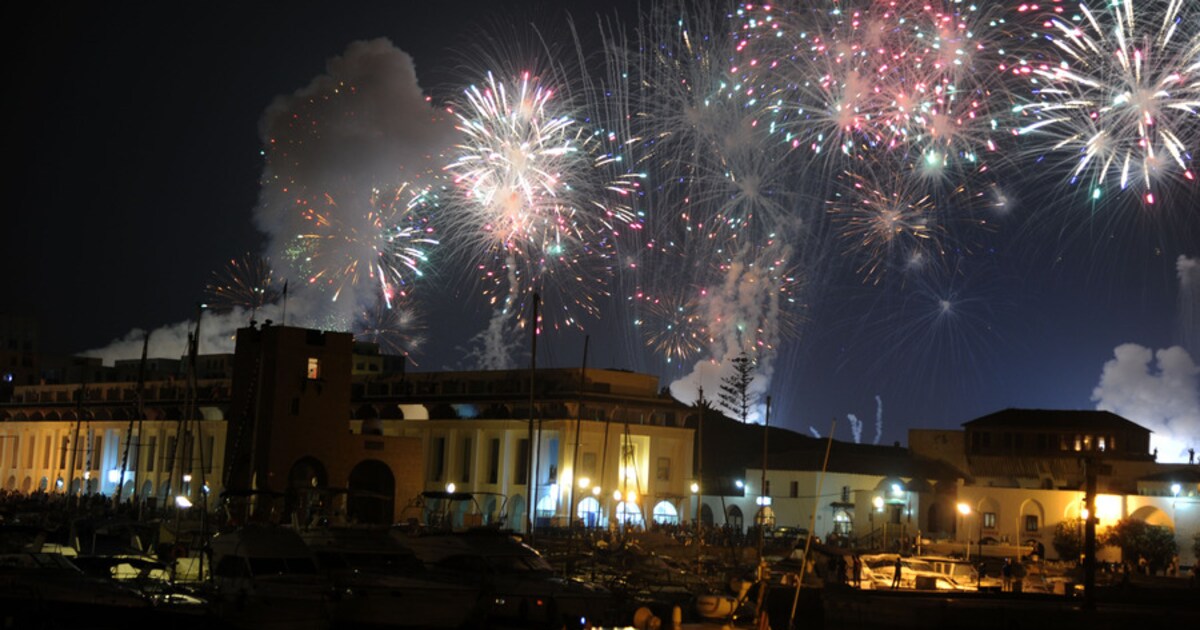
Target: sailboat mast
x,y
578,426
74,452
531,478
129,431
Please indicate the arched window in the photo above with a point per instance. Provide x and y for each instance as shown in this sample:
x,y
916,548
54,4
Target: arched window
x,y
489,510
665,513
843,524
588,511
516,513
628,513
734,517
546,507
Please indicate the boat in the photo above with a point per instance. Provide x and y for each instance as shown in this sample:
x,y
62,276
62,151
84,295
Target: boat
x,y
390,586
964,573
878,571
266,577
40,589
518,585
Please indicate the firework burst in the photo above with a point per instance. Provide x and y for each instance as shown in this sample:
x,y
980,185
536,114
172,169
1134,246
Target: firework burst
x,y
672,326
1115,93
396,328
384,243
246,283
522,172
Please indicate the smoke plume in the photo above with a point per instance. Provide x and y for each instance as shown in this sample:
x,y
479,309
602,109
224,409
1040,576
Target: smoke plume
x,y
1189,304
1157,390
362,127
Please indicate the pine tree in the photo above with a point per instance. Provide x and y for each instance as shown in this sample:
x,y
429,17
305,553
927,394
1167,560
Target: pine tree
x,y
735,388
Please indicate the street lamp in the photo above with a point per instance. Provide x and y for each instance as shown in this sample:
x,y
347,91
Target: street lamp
x,y
965,510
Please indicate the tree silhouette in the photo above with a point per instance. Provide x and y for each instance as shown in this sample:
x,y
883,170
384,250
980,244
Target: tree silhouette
x,y
735,388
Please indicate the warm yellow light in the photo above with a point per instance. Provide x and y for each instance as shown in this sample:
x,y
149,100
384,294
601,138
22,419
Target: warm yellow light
x,y
616,495
695,487
1108,507
631,496
878,503
964,509
596,490
584,482
450,487
1083,514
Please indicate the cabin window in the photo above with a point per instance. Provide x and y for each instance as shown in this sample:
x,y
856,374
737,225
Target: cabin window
x,y
314,368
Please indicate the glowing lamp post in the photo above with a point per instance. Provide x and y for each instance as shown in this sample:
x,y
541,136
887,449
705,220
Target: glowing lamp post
x,y
965,510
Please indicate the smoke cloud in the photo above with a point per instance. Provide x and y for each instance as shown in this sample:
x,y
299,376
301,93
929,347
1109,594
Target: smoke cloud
x,y
218,333
878,418
1189,303
361,127
856,427
742,314
1157,390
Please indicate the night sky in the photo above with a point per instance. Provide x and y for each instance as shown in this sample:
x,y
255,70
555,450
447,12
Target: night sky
x,y
138,173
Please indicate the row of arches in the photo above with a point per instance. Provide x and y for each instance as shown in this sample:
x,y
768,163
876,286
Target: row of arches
x,y
85,486
98,414
368,498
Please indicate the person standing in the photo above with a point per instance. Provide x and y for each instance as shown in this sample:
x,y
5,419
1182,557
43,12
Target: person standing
x,y
1007,574
896,570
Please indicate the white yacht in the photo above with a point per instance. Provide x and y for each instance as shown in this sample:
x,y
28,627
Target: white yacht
x,y
266,577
